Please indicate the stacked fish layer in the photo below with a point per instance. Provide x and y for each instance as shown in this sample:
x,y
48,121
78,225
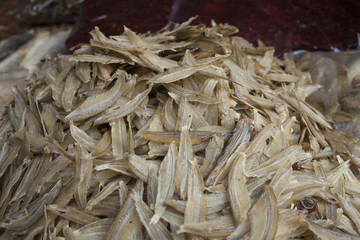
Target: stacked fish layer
x,y
187,133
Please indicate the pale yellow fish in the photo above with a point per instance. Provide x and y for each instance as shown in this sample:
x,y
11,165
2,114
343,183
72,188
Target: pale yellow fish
x,y
166,182
183,165
265,214
237,192
95,105
113,114
155,230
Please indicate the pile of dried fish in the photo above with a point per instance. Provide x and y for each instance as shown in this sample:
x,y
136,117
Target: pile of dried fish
x,y
186,133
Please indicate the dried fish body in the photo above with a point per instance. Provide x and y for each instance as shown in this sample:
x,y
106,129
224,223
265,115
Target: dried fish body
x,y
293,154
191,95
155,230
95,230
184,115
25,220
84,167
140,166
238,195
103,146
212,153
176,74
218,228
182,165
72,214
241,135
126,223
113,114
324,233
290,224
269,221
166,182
259,141
350,211
152,185
95,105
71,86
241,231
281,179
82,137
104,193
119,138
195,205
168,116
7,155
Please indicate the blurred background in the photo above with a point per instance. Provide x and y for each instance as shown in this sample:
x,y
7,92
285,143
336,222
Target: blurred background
x,y
322,36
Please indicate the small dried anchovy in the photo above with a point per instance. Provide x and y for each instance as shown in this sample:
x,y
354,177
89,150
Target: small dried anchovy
x,y
183,133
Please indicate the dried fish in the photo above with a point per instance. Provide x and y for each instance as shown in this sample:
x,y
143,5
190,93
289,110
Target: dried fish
x,y
182,165
217,131
113,114
95,105
264,213
238,195
219,228
155,230
195,205
126,223
166,182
